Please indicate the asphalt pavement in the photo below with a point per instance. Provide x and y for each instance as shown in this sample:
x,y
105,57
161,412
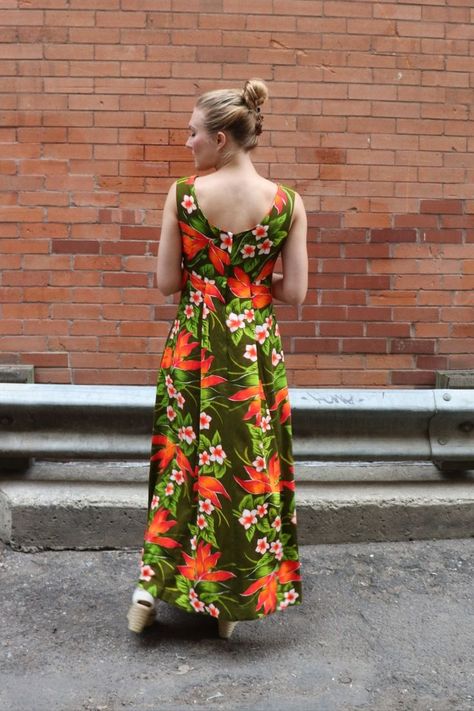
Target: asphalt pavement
x,y
383,627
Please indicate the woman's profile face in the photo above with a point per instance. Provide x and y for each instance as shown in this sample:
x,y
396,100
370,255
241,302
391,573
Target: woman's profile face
x,y
202,143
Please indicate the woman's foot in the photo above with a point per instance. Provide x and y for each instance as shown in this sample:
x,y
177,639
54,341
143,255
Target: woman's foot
x,y
226,627
141,613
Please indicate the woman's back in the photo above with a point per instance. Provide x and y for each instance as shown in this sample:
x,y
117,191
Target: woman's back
x,y
234,201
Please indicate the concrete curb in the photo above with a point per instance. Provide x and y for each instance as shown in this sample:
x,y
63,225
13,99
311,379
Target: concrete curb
x,y
96,506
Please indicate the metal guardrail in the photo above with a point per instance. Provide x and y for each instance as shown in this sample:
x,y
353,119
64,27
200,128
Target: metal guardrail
x,y
114,422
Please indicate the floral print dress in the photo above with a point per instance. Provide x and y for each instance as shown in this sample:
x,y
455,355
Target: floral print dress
x,y
221,532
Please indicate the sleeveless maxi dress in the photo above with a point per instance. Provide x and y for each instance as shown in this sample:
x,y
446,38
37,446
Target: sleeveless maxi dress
x,y
221,527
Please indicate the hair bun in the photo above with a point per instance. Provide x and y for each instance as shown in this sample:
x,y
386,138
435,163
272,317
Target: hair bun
x,y
254,93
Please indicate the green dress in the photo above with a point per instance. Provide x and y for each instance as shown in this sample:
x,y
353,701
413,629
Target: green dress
x,y
221,532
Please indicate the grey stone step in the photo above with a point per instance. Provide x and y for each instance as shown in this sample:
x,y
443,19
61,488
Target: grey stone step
x,y
97,505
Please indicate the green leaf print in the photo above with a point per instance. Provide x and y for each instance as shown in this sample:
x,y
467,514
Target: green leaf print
x,y
183,584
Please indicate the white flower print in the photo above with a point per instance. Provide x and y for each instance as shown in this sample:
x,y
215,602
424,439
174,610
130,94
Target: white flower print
x,y
262,510
155,502
189,204
201,521
188,311
226,240
204,459
205,310
276,357
175,328
193,548
249,315
212,610
177,475
248,518
180,400
172,392
169,491
192,593
187,434
277,524
217,454
204,420
251,352
146,573
261,333
264,247
259,464
277,549
260,231
195,297
265,423
170,413
262,545
291,596
235,321
198,605
248,251
206,506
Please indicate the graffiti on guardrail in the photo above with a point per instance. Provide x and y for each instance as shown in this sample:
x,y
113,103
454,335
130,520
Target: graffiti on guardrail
x,y
335,399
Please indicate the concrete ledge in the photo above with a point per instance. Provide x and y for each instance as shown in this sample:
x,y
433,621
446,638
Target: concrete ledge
x,y
337,503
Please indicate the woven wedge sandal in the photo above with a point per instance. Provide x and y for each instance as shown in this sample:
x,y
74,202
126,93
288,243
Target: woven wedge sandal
x,y
140,615
226,627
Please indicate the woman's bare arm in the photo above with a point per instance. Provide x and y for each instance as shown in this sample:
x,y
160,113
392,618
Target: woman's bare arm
x,y
292,285
169,267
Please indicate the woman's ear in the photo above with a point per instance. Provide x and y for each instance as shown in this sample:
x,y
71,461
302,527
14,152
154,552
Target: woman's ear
x,y
221,140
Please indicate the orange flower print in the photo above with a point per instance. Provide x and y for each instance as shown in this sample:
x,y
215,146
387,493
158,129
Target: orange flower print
x,y
262,482
282,397
281,200
175,357
208,487
208,381
208,288
268,585
161,524
166,451
200,567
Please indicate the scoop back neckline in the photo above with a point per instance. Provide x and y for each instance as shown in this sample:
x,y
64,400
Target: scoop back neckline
x,y
241,232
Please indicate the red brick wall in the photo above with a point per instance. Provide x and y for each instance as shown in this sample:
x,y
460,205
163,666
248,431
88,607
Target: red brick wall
x,y
370,119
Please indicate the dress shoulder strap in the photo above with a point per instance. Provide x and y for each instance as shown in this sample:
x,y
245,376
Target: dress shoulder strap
x,y
185,202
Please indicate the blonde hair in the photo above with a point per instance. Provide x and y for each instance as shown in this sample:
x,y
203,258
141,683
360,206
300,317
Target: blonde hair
x,y
236,111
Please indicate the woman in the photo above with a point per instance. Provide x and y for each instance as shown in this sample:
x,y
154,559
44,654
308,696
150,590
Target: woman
x,y
221,534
